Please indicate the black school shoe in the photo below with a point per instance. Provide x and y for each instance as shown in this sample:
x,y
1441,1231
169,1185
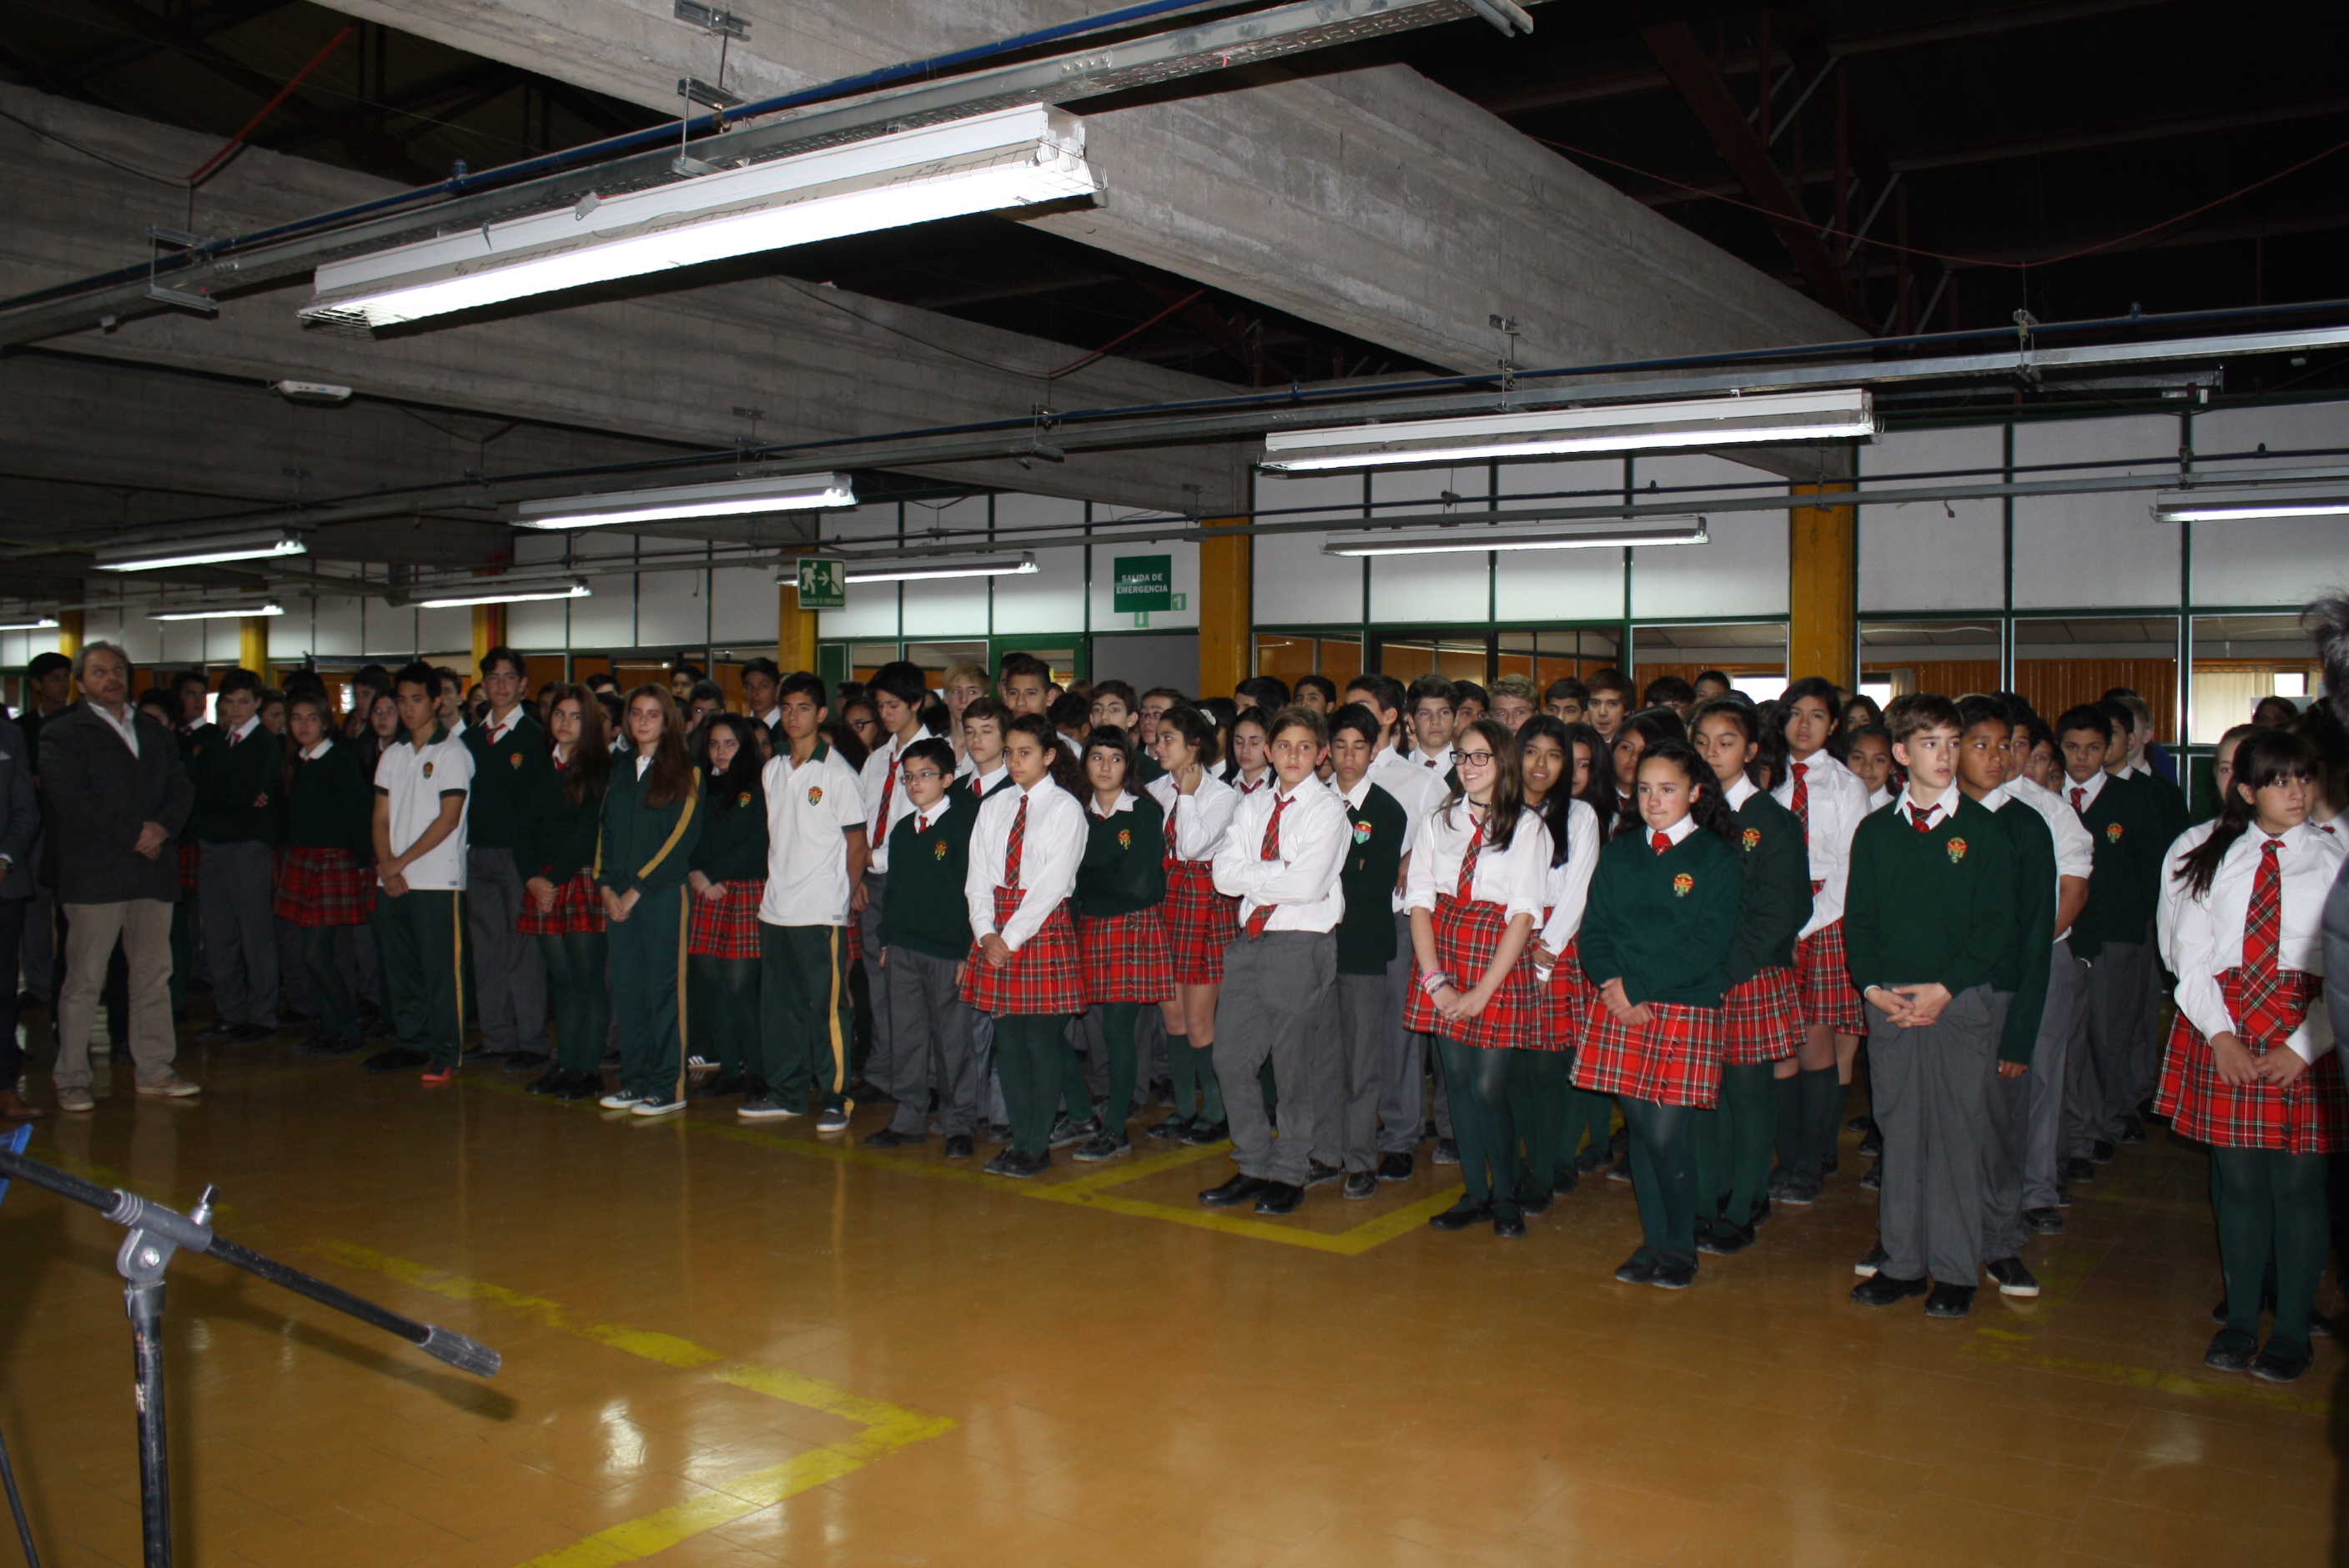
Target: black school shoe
x,y
2283,1360
1721,1238
1361,1184
1509,1227
890,1138
1639,1268
1277,1198
2043,1222
2012,1278
1394,1167
2231,1350
1591,1157
1102,1146
583,1085
1872,1178
1950,1301
1873,1264
1320,1175
1673,1277
959,1146
1067,1134
1203,1132
548,1085
2132,1129
2103,1153
1801,1189
1532,1198
1565,1182
1883,1290
1447,1152
1170,1128
1461,1216
1871,1143
2078,1170
1239,1190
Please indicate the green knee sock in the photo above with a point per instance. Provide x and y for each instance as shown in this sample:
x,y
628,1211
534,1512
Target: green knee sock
x,y
1184,1073
1118,1019
1076,1096
1749,1105
1211,1088
2245,1210
1822,1095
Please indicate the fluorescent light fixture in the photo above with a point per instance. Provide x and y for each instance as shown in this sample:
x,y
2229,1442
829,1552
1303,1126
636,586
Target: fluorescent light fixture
x,y
924,571
215,611
1488,536
735,498
200,552
2236,503
1012,158
517,595
1834,415
27,622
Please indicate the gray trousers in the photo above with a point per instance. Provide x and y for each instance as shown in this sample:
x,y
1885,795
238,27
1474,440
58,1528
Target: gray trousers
x,y
2117,1034
1272,988
2022,1163
509,970
1404,1072
937,1045
1349,1073
882,1070
236,887
1931,1089
143,926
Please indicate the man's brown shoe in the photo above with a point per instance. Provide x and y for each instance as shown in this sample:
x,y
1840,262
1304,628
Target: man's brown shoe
x,y
13,1108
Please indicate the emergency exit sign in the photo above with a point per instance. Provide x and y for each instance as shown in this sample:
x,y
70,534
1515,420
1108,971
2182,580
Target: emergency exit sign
x,y
1142,583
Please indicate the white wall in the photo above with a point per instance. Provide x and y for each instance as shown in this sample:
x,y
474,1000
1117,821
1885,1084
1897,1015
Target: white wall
x,y
2078,551
1294,583
1932,555
2271,561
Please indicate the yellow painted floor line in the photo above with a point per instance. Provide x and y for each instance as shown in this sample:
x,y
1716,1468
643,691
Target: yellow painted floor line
x,y
887,1428
2271,1396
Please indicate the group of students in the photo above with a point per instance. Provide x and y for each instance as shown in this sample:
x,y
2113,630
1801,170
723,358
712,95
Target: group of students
x,y
1351,920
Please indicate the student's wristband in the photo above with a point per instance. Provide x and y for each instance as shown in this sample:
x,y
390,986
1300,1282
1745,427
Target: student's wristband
x,y
1434,980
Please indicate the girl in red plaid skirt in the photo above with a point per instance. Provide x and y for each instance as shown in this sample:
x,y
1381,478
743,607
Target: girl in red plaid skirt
x,y
728,879
324,879
562,906
2251,1069
1023,967
1119,930
1476,886
1541,1084
1200,921
1656,940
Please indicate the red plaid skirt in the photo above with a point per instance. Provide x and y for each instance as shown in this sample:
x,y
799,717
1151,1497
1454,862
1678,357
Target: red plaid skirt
x,y
725,927
1561,999
1466,932
2308,1116
1127,957
1823,967
1763,1018
1676,1060
578,907
1201,920
1045,976
190,853
323,887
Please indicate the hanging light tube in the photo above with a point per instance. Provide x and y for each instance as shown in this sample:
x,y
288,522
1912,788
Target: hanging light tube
x,y
734,497
2240,503
519,596
1485,536
200,552
924,571
214,612
1016,157
27,622
1839,414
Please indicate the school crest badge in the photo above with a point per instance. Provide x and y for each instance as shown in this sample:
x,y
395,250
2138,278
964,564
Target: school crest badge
x,y
1753,838
815,794
2112,832
427,770
938,850
1125,838
514,760
743,799
1957,850
1682,885
1361,832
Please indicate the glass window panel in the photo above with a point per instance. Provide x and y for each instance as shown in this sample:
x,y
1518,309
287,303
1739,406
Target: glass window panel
x,y
2238,660
1953,658
2059,664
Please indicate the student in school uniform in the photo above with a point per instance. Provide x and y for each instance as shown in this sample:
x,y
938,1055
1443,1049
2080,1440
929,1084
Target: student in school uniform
x,y
1351,1067
2132,719
1249,769
1542,1096
1023,968
238,770
2173,880
1200,921
1763,1019
1115,706
1319,693
421,785
815,860
1634,738
1656,939
1281,859
1830,802
1431,707
324,886
1930,917
1514,700
1870,757
510,768
1606,702
563,909
761,679
1671,692
652,824
1121,928
1710,686
1403,1092
1470,702
1564,699
1588,1137
726,881
2062,1017
2250,1068
897,692
925,937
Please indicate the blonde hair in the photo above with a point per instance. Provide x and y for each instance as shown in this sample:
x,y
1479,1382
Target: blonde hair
x,y
1516,687
973,673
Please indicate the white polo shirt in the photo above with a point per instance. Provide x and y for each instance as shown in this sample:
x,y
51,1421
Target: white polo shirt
x,y
810,809
414,782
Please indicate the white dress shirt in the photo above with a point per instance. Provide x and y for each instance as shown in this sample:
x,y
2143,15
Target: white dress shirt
x,y
1240,781
2087,791
1051,847
1938,810
2076,851
1515,877
1416,789
125,724
1838,800
880,776
2209,937
316,752
499,725
1301,885
1566,890
1200,819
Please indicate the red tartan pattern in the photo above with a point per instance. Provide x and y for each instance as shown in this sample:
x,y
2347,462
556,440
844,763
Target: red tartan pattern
x,y
1466,932
1126,957
2308,1116
1561,999
727,927
1201,920
1823,966
188,859
1765,1020
578,907
1046,975
1676,1060
323,887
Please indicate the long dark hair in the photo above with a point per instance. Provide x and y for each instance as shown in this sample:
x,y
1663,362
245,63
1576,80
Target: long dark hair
x,y
1556,806
2267,756
1709,807
1741,713
1065,769
1508,783
1599,790
589,774
1113,739
1263,721
670,779
1195,727
739,777
1838,737
1655,726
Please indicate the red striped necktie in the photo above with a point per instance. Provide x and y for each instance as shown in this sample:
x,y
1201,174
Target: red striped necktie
x,y
2263,941
1271,851
1801,803
1465,891
1661,843
1019,841
2079,798
1924,816
1171,856
888,787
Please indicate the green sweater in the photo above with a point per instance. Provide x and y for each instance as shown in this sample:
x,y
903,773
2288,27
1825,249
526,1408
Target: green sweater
x,y
2127,822
1777,888
1666,939
1125,868
734,846
332,805
1366,933
1926,907
928,910
229,779
2023,971
646,847
507,779
561,839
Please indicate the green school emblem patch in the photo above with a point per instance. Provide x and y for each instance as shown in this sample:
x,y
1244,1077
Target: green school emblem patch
x,y
1957,850
514,760
1682,885
427,770
2113,833
1361,832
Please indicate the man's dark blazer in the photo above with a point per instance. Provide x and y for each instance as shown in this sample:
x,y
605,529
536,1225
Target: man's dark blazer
x,y
20,817
99,796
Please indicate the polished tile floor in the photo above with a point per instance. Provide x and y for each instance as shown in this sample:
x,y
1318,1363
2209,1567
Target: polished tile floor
x,y
725,1346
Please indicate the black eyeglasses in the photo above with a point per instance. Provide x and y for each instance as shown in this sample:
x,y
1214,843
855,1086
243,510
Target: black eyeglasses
x,y
1478,758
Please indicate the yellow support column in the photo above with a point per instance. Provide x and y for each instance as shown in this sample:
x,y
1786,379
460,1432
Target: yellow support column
x,y
1823,597
69,632
488,630
1227,608
252,644
795,630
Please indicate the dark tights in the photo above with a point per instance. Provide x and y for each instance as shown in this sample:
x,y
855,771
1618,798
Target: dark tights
x,y
1117,1021
2270,1204
1663,1174
339,1019
575,991
1029,1050
727,990
1538,1094
1478,1082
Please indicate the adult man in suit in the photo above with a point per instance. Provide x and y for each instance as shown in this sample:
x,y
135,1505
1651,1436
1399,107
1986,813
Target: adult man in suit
x,y
118,799
20,819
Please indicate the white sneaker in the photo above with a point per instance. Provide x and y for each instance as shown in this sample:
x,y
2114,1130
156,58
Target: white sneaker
x,y
656,1106
619,1100
832,1119
75,1100
170,1086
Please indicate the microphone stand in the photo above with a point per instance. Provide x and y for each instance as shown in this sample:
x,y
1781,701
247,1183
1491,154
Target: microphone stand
x,y
155,1234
